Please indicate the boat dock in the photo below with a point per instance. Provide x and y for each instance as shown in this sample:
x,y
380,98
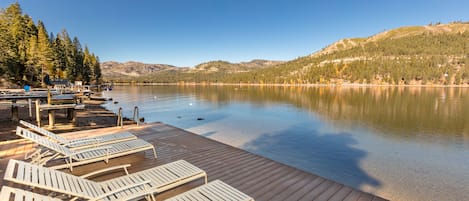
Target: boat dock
x,y
258,177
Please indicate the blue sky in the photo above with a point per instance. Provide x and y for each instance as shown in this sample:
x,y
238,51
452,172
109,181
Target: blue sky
x,y
186,33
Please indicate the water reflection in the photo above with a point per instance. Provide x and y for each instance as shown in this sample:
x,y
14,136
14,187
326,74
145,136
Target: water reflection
x,y
388,140
405,112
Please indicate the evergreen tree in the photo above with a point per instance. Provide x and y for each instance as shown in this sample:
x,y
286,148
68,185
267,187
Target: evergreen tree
x,y
69,54
78,57
28,52
45,53
87,66
96,69
60,61
19,30
33,60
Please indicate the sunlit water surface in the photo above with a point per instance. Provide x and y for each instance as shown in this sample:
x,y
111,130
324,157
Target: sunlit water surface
x,y
399,143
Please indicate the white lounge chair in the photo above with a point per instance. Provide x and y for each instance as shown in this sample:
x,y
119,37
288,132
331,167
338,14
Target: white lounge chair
x,y
131,186
215,190
9,193
82,156
82,142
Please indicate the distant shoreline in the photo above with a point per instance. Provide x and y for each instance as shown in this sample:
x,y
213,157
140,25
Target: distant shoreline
x,y
288,85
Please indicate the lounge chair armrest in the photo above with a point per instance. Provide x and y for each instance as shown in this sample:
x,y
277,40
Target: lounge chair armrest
x,y
73,142
87,150
107,170
123,189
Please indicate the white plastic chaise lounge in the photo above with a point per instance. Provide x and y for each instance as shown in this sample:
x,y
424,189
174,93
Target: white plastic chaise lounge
x,y
142,184
73,158
215,190
9,193
82,142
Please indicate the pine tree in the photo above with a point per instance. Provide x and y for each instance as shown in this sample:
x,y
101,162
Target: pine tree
x,y
78,57
69,55
60,61
87,66
96,69
45,53
19,30
27,51
6,43
33,60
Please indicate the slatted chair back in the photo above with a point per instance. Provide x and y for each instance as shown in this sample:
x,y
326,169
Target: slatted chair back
x,y
27,134
128,187
9,193
45,132
45,178
215,190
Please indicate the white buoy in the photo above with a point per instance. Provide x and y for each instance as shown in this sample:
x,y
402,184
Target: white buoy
x,y
190,104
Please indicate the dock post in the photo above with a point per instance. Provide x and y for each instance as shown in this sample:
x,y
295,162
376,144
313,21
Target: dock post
x,y
38,113
51,118
120,118
14,111
30,110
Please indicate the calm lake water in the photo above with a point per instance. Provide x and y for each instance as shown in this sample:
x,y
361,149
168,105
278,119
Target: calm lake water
x,y
399,143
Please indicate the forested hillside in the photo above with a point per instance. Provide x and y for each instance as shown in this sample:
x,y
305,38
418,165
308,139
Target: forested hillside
x,y
30,55
211,71
432,54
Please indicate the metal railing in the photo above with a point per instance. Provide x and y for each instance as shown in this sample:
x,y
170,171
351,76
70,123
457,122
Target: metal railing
x,y
136,116
120,117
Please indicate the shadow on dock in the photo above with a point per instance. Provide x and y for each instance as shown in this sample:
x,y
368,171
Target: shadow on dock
x,y
331,155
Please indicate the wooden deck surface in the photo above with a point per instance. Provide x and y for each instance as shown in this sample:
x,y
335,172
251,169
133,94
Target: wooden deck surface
x,y
259,177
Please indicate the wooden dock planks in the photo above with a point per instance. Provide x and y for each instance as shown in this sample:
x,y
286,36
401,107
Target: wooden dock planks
x,y
258,177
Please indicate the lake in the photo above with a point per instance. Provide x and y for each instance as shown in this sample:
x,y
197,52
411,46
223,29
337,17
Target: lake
x,y
401,143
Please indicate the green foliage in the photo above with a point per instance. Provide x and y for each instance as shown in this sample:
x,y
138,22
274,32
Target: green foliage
x,y
28,52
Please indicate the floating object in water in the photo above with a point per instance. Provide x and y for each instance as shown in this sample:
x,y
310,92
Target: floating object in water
x,y
115,102
200,119
179,117
100,98
190,104
141,119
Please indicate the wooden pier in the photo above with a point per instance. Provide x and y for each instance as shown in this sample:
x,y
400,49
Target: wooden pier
x,y
259,177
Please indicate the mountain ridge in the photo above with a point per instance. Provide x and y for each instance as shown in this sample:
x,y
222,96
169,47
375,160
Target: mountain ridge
x,y
114,69
410,55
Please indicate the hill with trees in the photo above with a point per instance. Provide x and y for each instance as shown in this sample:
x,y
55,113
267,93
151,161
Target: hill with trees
x,y
162,73
433,54
427,55
30,55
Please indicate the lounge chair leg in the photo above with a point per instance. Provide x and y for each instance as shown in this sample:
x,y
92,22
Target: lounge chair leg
x,y
150,197
154,152
206,179
69,163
